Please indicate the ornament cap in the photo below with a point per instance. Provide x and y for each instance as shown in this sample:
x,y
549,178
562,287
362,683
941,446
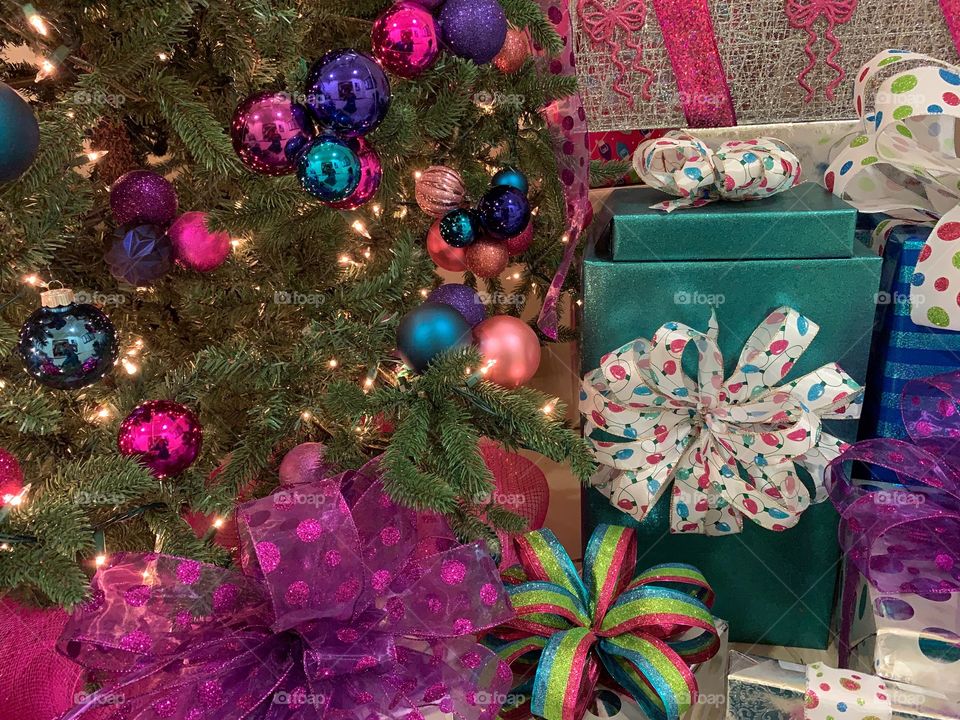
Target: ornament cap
x,y
57,297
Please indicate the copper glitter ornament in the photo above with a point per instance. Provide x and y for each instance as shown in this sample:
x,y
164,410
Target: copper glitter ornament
x,y
515,51
487,258
439,190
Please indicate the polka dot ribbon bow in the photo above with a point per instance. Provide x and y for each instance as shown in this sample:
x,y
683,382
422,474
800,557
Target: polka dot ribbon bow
x,y
904,162
349,607
685,166
645,629
731,448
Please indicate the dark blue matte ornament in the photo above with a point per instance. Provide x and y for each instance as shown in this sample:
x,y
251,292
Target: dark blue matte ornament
x,y
511,178
504,211
140,254
459,227
329,169
348,92
67,346
428,330
19,134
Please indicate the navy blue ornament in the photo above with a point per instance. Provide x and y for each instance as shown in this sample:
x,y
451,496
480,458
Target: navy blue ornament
x,y
329,169
140,254
459,227
428,330
19,134
66,345
511,178
504,211
348,92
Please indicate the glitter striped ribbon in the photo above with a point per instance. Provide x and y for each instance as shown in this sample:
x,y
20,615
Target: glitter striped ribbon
x,y
645,629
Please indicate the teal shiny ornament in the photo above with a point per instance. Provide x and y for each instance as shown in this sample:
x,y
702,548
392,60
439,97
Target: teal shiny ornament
x,y
459,227
511,178
19,134
329,169
428,330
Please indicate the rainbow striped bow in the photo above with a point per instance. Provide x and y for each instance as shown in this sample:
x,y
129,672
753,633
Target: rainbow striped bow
x,y
639,628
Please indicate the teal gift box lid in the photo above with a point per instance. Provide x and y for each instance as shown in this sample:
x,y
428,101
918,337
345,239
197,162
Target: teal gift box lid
x,y
804,222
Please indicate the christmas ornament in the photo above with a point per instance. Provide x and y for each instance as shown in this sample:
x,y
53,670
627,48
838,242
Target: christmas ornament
x,y
512,348
462,298
329,169
165,436
143,197
19,134
371,172
445,256
474,29
269,132
429,4
519,244
458,228
140,254
305,463
504,211
196,247
66,345
487,258
514,53
428,330
439,190
404,39
348,91
11,477
511,177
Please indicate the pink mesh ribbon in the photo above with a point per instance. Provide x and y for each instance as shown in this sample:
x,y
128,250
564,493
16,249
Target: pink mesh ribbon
x,y
603,25
803,14
568,119
349,607
903,536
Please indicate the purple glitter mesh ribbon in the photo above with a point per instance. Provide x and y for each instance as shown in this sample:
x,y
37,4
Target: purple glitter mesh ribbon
x,y
904,536
349,607
568,118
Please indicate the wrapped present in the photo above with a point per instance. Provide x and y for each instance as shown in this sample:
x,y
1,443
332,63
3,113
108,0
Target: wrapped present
x,y
752,62
763,689
761,573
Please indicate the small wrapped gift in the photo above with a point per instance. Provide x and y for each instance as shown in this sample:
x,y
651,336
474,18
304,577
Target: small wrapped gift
x,y
762,689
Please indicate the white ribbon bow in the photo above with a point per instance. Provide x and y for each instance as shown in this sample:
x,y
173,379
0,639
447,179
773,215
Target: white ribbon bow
x,y
905,163
730,447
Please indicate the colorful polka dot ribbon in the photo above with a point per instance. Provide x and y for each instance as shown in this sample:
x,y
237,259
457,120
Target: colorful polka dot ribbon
x,y
645,629
729,448
905,163
685,166
833,694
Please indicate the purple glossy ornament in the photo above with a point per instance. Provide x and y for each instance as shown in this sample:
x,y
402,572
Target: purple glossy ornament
x,y
348,92
141,196
474,29
140,254
371,172
504,211
405,39
462,298
269,131
305,463
194,246
163,435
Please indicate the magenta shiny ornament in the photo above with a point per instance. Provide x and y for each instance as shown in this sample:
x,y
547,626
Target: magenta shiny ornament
x,y
405,39
305,463
163,435
194,246
371,172
510,349
519,244
269,131
143,197
443,255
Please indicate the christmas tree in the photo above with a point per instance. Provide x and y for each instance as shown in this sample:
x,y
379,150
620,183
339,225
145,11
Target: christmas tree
x,y
291,338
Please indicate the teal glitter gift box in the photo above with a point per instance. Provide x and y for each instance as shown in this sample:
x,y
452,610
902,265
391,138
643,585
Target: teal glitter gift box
x,y
775,587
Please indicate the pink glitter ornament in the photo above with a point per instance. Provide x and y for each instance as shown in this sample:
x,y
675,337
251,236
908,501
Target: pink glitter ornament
x,y
196,247
405,39
11,477
304,463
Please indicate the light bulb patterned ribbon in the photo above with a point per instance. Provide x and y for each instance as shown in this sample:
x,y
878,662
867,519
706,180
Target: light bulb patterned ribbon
x,y
645,629
681,164
731,448
905,163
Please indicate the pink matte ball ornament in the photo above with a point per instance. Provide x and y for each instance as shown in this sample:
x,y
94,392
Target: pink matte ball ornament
x,y
194,246
163,435
445,256
510,349
304,463
405,39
